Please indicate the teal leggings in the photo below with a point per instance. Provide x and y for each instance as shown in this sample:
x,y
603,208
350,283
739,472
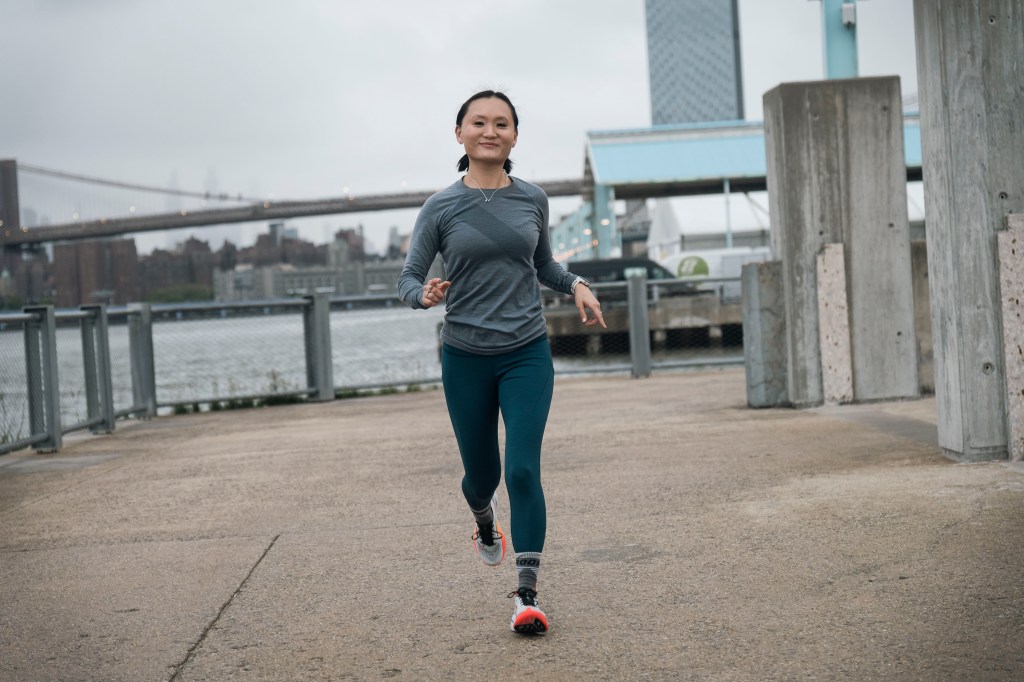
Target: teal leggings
x,y
519,384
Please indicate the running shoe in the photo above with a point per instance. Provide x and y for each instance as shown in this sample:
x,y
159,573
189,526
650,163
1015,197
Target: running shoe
x,y
489,540
528,619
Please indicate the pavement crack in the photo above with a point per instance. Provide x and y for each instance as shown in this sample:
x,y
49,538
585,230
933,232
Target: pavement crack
x,y
220,612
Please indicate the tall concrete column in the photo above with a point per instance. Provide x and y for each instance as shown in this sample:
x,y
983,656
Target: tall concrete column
x,y
970,65
837,175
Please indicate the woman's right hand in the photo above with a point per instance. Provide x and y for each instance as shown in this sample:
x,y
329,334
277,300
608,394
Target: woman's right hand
x,y
433,292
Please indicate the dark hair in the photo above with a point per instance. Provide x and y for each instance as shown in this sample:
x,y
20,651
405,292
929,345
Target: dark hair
x,y
486,94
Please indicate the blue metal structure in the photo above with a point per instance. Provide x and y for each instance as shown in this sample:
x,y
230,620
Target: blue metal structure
x,y
681,160
695,158
839,38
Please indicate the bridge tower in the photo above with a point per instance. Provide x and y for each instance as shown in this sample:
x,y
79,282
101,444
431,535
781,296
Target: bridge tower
x,y
16,256
10,221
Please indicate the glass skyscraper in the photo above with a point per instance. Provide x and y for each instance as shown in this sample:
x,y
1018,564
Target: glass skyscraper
x,y
693,55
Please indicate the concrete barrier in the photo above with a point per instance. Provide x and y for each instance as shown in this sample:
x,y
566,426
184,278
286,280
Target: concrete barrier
x,y
764,334
922,316
834,326
1011,285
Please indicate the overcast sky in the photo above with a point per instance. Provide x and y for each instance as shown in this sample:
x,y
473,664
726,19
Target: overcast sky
x,y
301,99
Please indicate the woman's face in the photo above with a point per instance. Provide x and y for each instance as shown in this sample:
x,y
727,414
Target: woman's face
x,y
487,132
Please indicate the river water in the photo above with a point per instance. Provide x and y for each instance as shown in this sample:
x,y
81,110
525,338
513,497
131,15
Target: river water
x,y
198,360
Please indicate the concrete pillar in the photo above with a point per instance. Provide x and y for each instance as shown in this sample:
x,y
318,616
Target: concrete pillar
x,y
1011,287
837,175
970,62
764,334
834,326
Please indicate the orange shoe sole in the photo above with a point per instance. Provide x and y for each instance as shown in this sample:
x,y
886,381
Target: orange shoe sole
x,y
530,622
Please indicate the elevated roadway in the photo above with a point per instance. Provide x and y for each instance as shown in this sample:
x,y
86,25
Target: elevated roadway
x,y
275,210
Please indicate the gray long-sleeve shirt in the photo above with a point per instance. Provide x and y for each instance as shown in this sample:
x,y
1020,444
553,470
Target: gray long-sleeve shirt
x,y
495,253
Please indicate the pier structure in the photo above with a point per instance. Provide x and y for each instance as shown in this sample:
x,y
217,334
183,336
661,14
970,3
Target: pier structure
x,y
826,543
852,291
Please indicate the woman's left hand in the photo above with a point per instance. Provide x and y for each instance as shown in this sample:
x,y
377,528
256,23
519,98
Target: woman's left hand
x,y
585,299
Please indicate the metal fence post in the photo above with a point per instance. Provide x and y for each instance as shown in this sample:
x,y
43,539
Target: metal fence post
x,y
34,377
44,384
639,327
99,386
316,324
140,344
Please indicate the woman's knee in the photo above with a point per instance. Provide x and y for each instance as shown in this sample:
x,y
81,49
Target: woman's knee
x,y
480,488
522,478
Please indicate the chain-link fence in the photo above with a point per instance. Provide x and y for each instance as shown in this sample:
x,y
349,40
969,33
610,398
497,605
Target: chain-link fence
x,y
71,371
54,379
120,363
81,369
14,408
387,345
211,354
687,324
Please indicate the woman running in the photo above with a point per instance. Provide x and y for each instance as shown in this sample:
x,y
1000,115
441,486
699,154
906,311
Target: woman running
x,y
491,230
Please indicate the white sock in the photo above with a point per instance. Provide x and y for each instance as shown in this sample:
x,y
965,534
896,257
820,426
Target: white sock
x,y
527,565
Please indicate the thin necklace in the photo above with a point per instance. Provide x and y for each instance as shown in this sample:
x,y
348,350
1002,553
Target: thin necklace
x,y
487,198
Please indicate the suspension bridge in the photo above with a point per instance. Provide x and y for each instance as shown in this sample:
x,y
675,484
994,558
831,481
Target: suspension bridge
x,y
106,212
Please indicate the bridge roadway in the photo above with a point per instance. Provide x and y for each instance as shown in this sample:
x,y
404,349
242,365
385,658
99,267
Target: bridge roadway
x,y
277,210
689,538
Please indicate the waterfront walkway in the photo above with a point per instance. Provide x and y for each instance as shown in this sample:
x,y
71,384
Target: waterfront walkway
x,y
688,538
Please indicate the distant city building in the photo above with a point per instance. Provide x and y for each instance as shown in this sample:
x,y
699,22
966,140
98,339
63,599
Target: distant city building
x,y
28,279
191,262
102,271
242,283
279,232
347,271
395,243
283,280
278,265
381,276
693,55
248,283
287,281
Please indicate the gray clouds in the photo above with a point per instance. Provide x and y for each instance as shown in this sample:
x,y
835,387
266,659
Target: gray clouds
x,y
303,98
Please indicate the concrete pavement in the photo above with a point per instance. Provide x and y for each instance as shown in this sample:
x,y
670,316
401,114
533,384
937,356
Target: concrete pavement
x,y
688,538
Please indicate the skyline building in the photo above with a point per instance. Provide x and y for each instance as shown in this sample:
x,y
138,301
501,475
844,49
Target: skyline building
x,y
693,57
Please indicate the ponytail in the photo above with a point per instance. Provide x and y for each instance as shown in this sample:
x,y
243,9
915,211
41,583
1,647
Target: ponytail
x,y
464,164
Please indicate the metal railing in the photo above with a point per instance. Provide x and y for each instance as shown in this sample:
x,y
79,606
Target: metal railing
x,y
69,370
44,408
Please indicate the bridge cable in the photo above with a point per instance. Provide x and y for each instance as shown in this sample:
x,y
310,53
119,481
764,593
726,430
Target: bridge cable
x,y
219,196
